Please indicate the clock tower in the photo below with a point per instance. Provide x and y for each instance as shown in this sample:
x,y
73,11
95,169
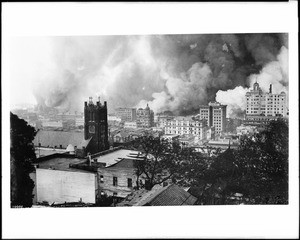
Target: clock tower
x,y
95,126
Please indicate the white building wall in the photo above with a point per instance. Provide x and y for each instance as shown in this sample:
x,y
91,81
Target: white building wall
x,y
267,104
130,125
64,186
183,127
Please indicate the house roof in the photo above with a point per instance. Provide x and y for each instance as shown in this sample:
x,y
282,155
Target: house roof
x,y
114,157
171,195
123,134
51,138
41,152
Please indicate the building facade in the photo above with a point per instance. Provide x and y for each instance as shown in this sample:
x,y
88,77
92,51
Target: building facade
x,y
132,125
145,117
96,126
265,104
245,130
215,114
126,114
57,182
187,126
163,119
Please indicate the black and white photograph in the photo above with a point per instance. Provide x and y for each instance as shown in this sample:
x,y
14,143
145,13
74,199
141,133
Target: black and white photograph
x,y
113,122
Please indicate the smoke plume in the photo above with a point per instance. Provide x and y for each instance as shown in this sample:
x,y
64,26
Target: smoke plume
x,y
169,72
274,72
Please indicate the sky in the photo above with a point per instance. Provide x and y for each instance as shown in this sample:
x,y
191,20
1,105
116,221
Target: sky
x,y
169,72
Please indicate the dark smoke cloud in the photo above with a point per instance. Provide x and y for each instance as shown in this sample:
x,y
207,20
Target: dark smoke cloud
x,y
169,72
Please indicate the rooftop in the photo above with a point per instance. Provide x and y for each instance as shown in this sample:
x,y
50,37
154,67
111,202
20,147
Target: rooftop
x,y
186,118
116,156
171,195
59,162
51,138
41,152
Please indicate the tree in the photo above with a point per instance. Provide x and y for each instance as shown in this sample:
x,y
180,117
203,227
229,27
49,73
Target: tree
x,y
258,169
263,162
22,155
222,177
161,160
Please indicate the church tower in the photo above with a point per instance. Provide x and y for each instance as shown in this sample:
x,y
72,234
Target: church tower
x,y
95,126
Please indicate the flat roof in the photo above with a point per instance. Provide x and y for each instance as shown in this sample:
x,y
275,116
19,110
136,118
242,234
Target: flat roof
x,y
61,163
116,156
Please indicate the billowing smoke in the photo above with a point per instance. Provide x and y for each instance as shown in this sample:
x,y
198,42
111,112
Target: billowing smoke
x,y
234,99
169,72
274,72
183,93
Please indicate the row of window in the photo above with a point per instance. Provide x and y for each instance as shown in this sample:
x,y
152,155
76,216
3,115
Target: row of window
x,y
180,133
184,128
178,126
115,181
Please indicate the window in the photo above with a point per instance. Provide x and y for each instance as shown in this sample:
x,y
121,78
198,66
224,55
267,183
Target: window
x,y
101,179
129,182
115,181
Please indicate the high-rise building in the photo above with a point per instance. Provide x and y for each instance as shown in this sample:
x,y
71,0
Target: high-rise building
x,y
145,117
95,126
265,104
215,114
126,114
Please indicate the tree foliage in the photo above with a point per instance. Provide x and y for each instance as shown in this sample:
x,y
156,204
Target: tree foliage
x,y
263,162
257,170
161,159
22,155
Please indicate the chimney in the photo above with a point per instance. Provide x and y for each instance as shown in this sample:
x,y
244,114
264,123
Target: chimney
x,y
89,158
98,102
270,90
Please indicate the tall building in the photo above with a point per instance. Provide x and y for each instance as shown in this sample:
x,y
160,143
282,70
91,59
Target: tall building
x,y
184,125
95,126
265,104
215,114
145,117
126,114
